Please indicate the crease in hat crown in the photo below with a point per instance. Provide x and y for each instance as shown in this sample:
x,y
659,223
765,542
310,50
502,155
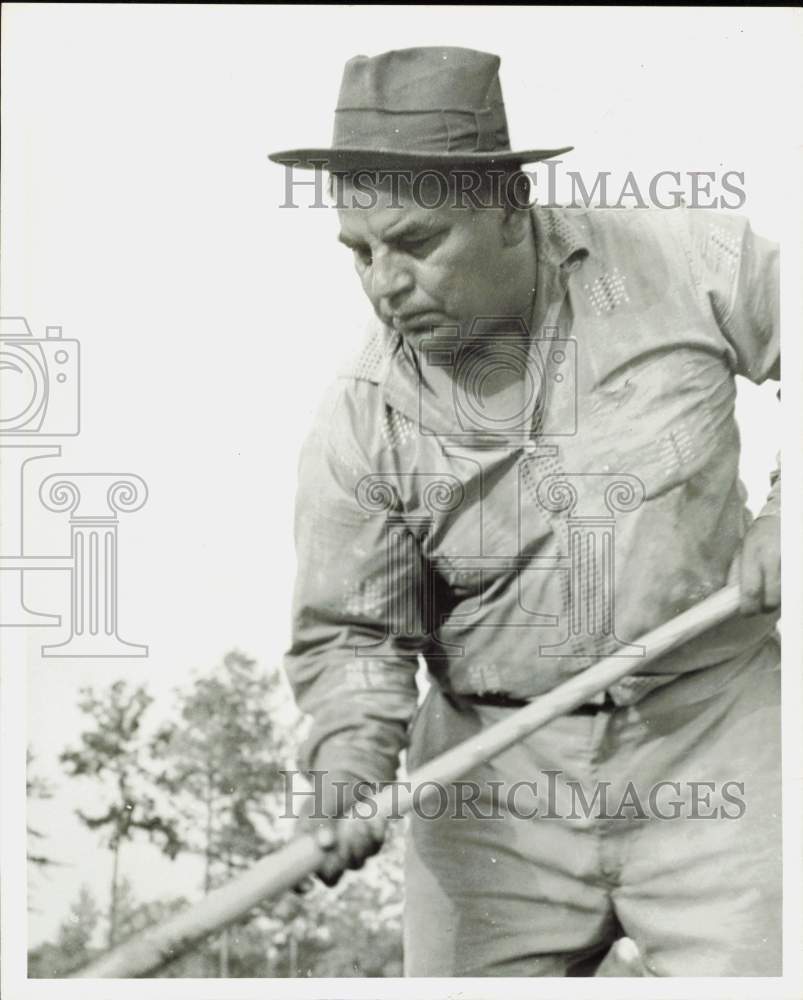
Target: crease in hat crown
x,y
423,79
435,104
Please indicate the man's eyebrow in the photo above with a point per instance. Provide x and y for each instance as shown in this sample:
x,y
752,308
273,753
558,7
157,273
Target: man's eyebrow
x,y
394,233
406,228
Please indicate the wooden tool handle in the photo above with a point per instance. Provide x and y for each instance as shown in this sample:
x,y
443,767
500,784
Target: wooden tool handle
x,y
285,868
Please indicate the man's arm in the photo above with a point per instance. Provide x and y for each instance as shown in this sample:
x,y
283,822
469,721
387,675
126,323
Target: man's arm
x,y
349,665
740,271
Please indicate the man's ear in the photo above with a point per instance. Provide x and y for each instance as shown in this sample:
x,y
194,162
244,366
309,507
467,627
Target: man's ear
x,y
515,226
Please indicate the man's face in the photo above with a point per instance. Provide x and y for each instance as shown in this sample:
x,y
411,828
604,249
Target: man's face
x,y
423,267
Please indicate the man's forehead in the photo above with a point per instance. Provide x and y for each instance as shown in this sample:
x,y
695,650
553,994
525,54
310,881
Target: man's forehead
x,y
384,211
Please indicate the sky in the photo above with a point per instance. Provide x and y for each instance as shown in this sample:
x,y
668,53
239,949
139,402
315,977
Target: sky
x,y
140,214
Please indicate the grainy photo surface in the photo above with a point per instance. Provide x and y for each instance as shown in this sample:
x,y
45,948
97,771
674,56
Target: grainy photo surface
x,y
391,446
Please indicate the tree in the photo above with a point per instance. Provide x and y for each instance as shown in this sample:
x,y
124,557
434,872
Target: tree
x,y
75,935
72,948
114,751
221,761
134,916
37,789
351,930
215,769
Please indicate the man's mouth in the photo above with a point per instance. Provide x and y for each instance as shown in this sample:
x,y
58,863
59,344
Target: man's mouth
x,y
413,322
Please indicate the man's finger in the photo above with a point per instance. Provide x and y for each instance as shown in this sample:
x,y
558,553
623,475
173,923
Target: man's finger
x,y
307,884
331,871
361,839
326,838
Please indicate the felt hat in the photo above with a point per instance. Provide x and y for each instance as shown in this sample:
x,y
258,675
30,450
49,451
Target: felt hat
x,y
435,106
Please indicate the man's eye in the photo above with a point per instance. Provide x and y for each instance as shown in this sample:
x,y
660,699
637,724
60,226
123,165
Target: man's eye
x,y
363,255
421,246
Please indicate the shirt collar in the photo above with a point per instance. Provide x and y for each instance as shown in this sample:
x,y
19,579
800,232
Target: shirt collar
x,y
560,239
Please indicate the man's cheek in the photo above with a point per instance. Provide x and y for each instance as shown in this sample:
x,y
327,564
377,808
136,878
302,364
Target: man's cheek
x,y
366,287
449,291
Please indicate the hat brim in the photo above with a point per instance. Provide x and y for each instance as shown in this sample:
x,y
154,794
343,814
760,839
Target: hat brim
x,y
350,159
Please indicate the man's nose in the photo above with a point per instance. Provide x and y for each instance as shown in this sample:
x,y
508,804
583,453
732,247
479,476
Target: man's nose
x,y
391,278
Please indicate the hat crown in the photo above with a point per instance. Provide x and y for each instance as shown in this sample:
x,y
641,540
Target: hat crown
x,y
422,79
418,107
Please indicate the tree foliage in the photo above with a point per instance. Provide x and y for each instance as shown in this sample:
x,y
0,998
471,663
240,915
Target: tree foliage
x,y
39,860
73,945
113,751
206,780
220,760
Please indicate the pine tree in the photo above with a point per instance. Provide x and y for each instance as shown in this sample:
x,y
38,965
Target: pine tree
x,y
221,761
114,753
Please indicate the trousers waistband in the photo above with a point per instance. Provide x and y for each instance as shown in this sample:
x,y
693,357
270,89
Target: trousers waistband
x,y
500,700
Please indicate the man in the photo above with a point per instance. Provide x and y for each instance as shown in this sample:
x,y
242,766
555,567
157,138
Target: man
x,y
533,462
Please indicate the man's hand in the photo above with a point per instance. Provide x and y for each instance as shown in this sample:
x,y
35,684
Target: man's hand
x,y
347,840
757,567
